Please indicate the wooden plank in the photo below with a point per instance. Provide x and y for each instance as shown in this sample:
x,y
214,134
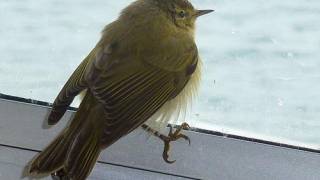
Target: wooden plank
x,y
13,161
208,157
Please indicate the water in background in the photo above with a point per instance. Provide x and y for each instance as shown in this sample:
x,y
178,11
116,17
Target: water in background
x,y
261,60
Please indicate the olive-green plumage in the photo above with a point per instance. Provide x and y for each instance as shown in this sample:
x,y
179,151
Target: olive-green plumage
x,y
143,61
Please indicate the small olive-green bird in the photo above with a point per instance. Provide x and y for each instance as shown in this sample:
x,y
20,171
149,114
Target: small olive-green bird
x,y
144,69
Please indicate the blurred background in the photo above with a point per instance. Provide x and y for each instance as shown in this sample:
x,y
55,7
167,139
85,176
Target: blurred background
x,y
261,60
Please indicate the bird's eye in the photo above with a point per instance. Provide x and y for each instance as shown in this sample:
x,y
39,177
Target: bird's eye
x,y
182,14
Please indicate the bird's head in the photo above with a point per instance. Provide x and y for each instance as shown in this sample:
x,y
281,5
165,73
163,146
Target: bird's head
x,y
180,14
183,13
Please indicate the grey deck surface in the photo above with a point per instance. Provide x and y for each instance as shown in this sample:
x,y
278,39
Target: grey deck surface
x,y
134,157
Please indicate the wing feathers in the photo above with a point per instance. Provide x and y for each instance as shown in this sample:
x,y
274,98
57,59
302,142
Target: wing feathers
x,y
73,87
132,103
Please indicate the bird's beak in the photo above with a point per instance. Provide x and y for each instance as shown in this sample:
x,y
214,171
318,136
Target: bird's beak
x,y
203,12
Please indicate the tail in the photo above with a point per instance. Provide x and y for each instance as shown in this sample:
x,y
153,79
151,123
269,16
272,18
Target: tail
x,y
75,150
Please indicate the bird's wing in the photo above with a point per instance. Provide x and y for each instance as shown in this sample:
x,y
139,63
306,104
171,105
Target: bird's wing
x,y
130,96
132,90
72,88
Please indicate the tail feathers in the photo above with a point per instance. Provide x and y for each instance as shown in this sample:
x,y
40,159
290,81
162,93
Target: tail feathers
x,y
76,150
74,155
51,158
83,156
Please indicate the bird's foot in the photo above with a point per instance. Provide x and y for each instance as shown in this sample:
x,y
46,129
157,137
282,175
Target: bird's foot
x,y
173,136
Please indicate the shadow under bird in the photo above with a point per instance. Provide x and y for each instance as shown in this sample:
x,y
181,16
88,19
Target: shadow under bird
x,y
144,69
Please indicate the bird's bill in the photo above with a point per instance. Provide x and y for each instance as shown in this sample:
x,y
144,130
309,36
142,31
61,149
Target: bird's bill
x,y
203,12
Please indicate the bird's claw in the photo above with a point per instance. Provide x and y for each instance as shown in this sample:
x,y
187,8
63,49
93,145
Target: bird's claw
x,y
173,136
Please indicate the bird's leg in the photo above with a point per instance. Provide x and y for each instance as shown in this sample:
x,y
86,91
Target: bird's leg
x,y
172,136
59,175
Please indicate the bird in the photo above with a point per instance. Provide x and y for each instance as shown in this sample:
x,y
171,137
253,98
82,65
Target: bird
x,y
144,69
